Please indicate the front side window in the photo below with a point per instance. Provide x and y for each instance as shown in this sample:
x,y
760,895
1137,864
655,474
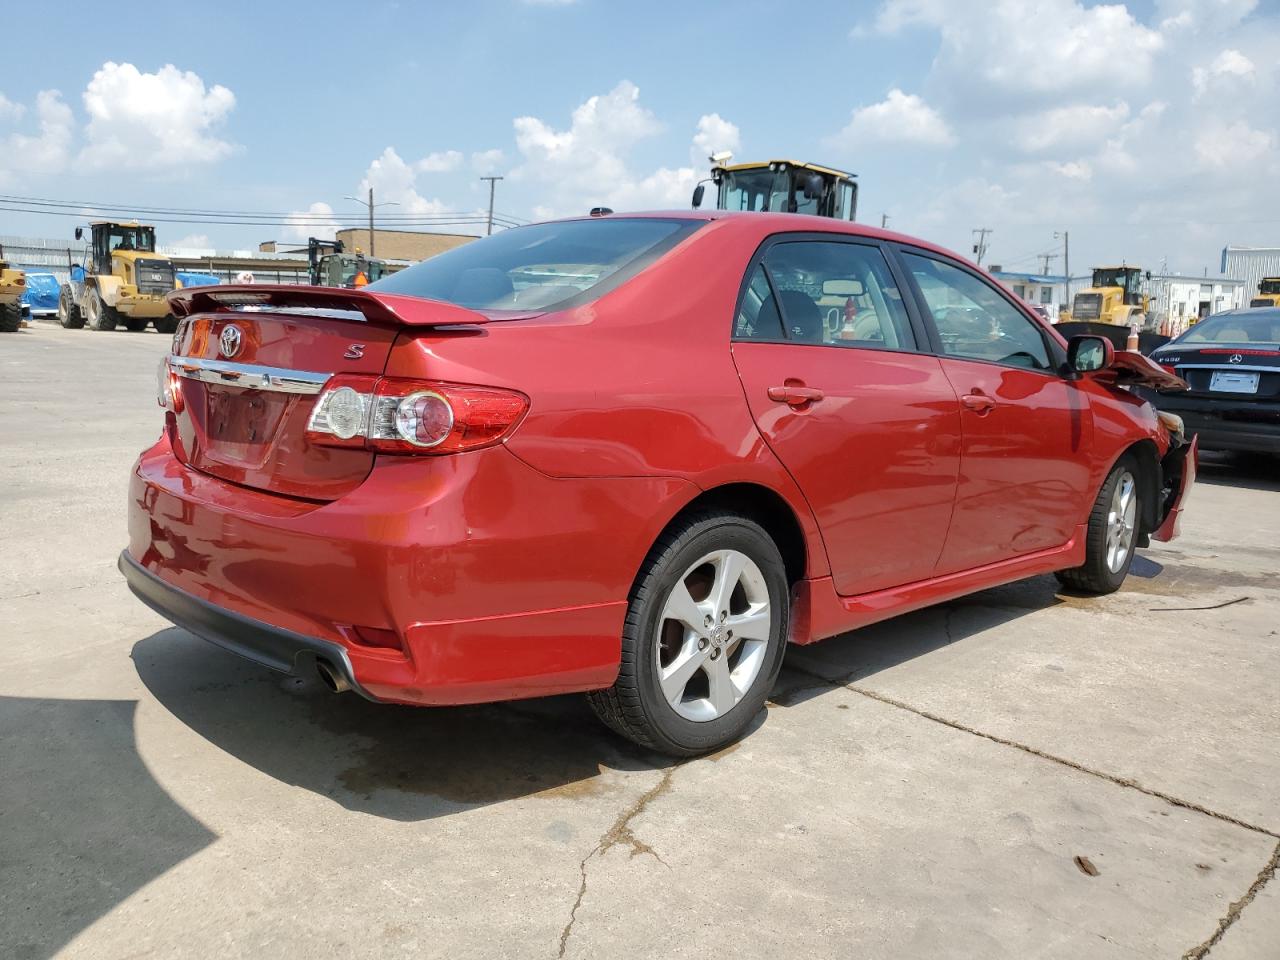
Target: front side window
x,y
973,320
540,267
827,293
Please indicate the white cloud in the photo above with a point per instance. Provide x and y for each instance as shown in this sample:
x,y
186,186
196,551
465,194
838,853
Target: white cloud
x,y
192,241
899,118
1070,126
165,119
1072,169
1028,47
715,134
1233,147
10,110
485,162
444,162
587,165
394,181
1214,15
48,151
1228,71
316,221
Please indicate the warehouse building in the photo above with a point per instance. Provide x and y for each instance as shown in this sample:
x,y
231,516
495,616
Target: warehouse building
x,y
1250,265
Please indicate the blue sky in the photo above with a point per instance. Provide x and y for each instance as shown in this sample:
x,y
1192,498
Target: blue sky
x,y
1147,130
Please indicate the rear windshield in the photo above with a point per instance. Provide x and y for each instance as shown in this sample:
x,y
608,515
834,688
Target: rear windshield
x,y
1261,326
543,266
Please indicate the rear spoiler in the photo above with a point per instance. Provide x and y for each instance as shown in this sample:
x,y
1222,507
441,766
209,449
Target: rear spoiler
x,y
384,309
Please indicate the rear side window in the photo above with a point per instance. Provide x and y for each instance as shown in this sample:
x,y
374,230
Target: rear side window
x,y
824,292
973,320
543,266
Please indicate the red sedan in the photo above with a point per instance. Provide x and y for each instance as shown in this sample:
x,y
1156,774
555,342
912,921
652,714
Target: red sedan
x,y
634,456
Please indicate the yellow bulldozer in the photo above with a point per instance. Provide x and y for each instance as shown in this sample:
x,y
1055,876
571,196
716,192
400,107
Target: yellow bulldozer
x,y
1268,293
1116,296
13,284
122,281
781,186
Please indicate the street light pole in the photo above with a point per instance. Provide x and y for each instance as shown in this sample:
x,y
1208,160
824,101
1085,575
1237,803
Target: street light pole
x,y
1066,263
493,182
371,205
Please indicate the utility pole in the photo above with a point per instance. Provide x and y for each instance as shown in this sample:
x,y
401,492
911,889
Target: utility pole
x,y
1046,258
884,220
371,205
980,247
493,182
1066,261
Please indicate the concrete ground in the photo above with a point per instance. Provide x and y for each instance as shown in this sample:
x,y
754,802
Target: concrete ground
x,y
1018,774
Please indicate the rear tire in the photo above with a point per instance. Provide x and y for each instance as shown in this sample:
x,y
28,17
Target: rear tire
x,y
1112,534
703,639
10,317
135,324
167,324
69,314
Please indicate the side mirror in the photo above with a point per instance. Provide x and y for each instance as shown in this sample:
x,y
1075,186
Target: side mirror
x,y
698,192
1089,354
79,233
813,187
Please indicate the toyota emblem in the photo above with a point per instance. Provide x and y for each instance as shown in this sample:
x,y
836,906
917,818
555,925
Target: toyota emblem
x,y
1235,358
229,342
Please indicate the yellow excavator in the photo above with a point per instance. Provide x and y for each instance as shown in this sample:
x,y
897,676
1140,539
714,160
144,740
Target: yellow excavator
x,y
1268,293
121,281
1116,296
13,284
781,186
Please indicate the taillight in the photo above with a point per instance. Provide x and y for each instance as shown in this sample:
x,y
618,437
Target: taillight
x,y
168,390
393,415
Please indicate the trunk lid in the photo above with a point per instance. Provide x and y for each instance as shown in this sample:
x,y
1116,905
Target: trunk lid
x,y
249,373
1218,370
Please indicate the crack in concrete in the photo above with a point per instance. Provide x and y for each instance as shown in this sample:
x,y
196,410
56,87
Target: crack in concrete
x,y
1201,950
619,833
1043,755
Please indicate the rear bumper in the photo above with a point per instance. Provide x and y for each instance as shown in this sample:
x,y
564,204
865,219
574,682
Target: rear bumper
x,y
271,646
495,581
1240,426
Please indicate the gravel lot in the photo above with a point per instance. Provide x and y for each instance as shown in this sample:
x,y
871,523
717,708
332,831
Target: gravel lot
x,y
1018,774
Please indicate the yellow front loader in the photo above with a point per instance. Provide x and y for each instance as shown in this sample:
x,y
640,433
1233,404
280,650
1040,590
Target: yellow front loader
x,y
13,284
1116,296
121,281
1268,293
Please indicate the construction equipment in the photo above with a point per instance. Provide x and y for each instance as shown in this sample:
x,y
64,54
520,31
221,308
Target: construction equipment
x,y
121,281
330,266
1268,293
1115,297
13,284
781,186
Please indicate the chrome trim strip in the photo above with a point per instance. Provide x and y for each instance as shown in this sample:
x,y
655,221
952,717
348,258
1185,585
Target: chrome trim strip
x,y
249,376
1223,366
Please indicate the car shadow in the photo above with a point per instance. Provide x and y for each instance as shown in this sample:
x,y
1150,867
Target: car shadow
x,y
83,824
410,763
813,670
1247,471
396,762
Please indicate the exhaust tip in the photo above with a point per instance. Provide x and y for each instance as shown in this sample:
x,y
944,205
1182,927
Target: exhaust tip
x,y
331,677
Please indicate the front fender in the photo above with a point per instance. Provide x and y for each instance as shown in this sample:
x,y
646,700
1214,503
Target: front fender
x,y
109,289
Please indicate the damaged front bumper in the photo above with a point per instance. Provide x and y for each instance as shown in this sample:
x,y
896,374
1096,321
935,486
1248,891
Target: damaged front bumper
x,y
1177,473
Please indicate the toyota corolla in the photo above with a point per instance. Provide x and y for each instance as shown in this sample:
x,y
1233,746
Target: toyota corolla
x,y
632,456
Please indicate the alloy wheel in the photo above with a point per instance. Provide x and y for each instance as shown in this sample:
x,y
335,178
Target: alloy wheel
x,y
713,635
1122,521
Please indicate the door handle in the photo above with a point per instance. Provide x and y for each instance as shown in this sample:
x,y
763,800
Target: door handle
x,y
978,402
795,395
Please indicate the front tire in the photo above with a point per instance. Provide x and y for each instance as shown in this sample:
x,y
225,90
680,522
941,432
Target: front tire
x,y
100,316
703,639
1112,534
135,324
167,324
10,317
